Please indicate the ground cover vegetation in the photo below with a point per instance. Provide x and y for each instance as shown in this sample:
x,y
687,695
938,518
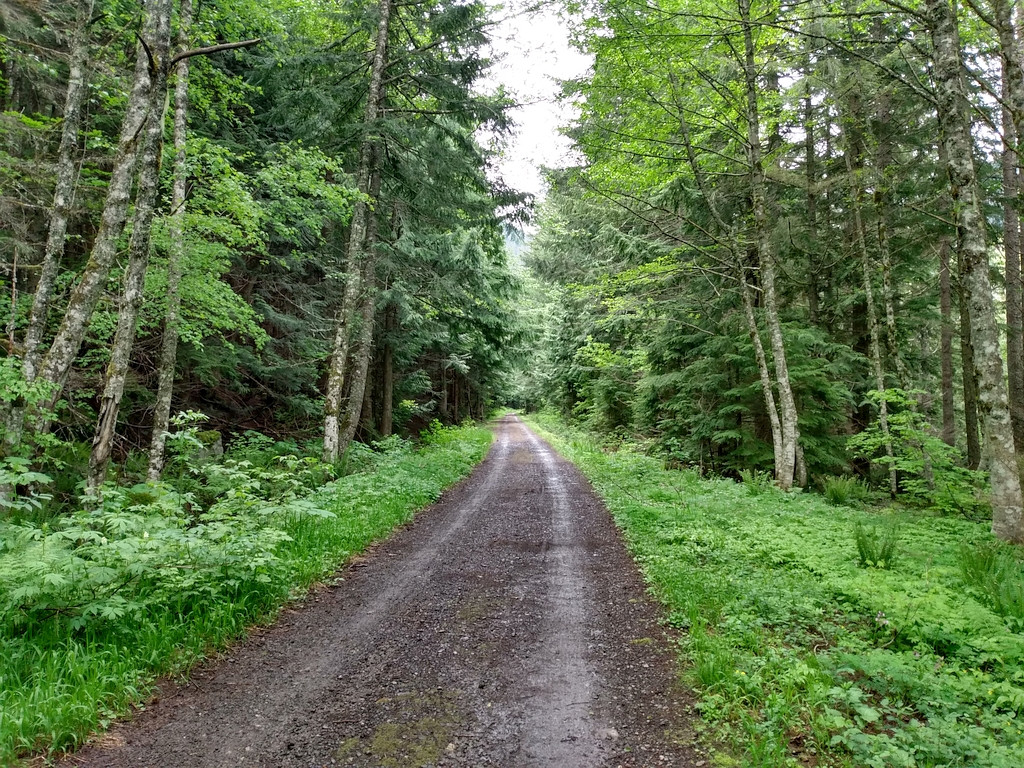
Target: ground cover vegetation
x,y
98,603
823,634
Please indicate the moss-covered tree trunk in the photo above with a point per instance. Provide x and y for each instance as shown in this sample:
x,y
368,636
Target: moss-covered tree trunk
x,y
946,345
63,195
854,170
138,252
175,257
334,402
64,191
387,394
786,464
57,363
1013,132
954,118
763,371
362,352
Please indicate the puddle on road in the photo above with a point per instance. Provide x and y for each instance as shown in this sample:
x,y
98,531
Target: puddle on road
x,y
523,456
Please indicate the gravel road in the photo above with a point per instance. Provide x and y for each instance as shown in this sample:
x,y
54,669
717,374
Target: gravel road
x,y
506,626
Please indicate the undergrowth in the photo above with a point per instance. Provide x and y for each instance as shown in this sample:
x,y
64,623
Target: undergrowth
x,y
799,655
95,605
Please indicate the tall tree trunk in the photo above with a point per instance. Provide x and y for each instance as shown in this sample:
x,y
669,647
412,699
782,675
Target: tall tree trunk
x,y
334,446
954,118
366,420
767,386
57,363
361,355
363,347
946,345
856,198
1013,132
175,256
138,254
763,371
387,394
338,368
881,161
63,195
64,192
968,375
766,257
810,168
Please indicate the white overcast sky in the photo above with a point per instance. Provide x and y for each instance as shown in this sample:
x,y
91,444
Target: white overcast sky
x,y
531,53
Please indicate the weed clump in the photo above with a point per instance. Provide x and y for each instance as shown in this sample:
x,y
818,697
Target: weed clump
x,y
842,490
996,572
755,481
876,549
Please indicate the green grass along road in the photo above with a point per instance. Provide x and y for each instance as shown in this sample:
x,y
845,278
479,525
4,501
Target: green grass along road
x,y
188,589
799,654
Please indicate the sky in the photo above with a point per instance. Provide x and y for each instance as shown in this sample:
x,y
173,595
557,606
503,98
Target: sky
x,y
531,52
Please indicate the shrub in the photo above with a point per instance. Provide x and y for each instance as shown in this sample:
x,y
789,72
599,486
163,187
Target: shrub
x,y
994,570
755,481
841,490
930,472
876,549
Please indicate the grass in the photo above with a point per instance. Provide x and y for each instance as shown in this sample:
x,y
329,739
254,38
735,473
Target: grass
x,y
58,684
801,656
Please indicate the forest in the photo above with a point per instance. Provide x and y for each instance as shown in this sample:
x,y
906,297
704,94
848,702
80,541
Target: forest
x,y
794,245
231,209
258,264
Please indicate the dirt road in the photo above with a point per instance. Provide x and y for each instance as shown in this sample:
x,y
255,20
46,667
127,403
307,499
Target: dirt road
x,y
505,627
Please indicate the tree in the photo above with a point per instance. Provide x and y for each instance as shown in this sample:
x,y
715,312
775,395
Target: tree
x,y
952,107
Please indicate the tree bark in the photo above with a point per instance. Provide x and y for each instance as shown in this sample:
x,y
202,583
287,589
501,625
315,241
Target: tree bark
x,y
387,395
361,363
334,446
881,161
64,192
811,171
856,198
954,118
57,363
969,376
763,371
367,423
175,257
1013,131
63,195
946,345
138,253
767,386
787,404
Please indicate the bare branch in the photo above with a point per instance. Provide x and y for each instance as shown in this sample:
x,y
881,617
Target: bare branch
x,y
214,49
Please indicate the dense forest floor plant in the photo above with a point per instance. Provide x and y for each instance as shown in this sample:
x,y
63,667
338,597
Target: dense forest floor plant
x,y
148,579
805,652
